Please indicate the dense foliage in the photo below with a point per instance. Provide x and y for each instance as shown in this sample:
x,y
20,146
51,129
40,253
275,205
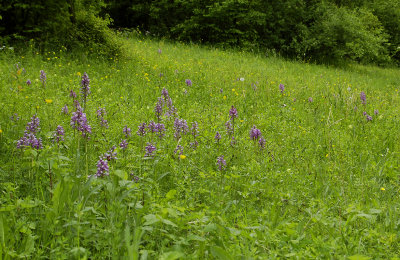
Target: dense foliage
x,y
327,31
70,23
191,153
319,30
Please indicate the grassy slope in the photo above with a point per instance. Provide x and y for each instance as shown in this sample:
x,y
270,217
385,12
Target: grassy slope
x,y
327,185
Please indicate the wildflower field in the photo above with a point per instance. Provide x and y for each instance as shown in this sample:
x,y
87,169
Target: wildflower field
x,y
185,152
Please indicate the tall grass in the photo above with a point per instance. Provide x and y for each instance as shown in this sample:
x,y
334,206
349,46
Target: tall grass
x,y
326,185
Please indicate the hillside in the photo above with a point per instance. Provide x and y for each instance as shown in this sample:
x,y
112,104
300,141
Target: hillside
x,y
305,163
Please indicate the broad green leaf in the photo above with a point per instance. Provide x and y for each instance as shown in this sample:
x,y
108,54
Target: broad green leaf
x,y
171,194
195,238
168,222
150,219
172,255
122,174
220,253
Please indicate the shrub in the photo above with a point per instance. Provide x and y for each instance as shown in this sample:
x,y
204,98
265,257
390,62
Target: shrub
x,y
339,33
388,13
92,34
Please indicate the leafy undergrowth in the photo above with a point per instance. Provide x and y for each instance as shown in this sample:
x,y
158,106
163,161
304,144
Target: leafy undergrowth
x,y
121,159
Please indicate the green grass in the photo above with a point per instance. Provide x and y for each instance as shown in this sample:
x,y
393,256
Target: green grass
x,y
326,186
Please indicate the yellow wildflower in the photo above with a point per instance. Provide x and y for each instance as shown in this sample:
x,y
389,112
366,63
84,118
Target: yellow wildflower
x,y
78,73
382,189
1,131
182,156
48,101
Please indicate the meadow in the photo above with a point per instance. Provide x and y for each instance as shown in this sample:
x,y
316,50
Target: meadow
x,y
188,152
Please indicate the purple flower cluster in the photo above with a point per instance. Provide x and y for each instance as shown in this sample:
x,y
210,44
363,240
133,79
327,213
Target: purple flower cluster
x,y
281,88
126,131
158,109
195,133
363,98
181,128
164,93
28,82
172,111
110,154
368,117
123,144
58,134
85,89
158,128
254,86
29,138
142,129
310,99
165,99
102,167
188,82
233,113
221,163
65,110
101,113
261,142
79,121
229,128
195,129
217,137
233,141
33,125
72,94
102,164
43,77
15,117
178,149
255,133
76,104
150,148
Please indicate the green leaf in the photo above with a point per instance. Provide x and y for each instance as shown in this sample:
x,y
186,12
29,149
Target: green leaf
x,y
172,255
150,219
210,227
220,253
122,174
195,238
168,222
171,194
29,245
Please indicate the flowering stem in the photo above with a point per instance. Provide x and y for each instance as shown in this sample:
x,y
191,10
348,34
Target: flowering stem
x,y
51,180
86,159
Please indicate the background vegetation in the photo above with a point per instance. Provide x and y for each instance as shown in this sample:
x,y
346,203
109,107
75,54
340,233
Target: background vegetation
x,y
328,31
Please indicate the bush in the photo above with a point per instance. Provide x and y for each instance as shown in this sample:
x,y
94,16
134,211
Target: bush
x,y
388,13
72,23
341,34
92,34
